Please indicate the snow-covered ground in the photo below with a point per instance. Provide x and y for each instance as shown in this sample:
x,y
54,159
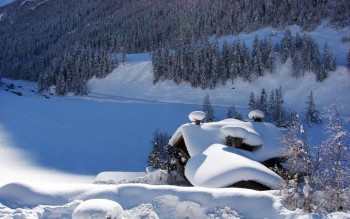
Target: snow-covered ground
x,y
52,149
144,201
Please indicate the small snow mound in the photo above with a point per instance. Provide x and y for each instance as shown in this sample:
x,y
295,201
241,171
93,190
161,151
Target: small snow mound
x,y
196,116
249,137
98,209
256,114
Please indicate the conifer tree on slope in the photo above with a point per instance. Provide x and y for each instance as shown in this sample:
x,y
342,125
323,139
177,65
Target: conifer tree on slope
x,y
252,103
312,114
208,110
232,113
154,159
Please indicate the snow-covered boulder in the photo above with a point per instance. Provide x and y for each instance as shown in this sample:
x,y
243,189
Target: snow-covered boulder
x,y
98,209
248,135
196,116
256,115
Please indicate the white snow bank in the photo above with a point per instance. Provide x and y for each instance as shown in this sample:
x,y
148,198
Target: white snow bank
x,y
219,166
164,201
110,177
144,201
248,135
156,177
98,209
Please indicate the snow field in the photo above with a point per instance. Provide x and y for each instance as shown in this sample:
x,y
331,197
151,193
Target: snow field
x,y
137,200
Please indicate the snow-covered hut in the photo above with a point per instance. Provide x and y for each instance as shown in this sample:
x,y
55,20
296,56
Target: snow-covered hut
x,y
228,153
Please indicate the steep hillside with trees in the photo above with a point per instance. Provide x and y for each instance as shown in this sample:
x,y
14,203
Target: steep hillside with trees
x,y
38,36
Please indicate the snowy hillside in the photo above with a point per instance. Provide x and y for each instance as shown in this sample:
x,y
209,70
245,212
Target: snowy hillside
x,y
135,79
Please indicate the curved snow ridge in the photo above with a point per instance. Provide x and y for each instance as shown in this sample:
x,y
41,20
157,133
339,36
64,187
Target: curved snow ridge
x,y
165,199
20,194
217,167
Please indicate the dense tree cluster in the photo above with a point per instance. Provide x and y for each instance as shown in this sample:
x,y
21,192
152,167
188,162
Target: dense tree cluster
x,y
70,72
272,107
306,56
204,64
34,33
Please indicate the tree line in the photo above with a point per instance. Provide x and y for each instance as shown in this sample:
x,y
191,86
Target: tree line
x,y
33,34
204,64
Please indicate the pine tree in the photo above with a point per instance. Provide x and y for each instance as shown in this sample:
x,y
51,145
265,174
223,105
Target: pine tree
x,y
154,159
257,63
287,44
263,105
208,110
158,156
312,114
279,117
252,103
232,113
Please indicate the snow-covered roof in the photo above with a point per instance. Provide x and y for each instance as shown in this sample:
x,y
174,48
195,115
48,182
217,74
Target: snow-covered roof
x,y
248,135
213,164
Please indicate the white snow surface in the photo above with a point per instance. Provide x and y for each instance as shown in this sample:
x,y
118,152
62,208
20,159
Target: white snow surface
x,y
109,177
49,201
98,209
213,164
156,177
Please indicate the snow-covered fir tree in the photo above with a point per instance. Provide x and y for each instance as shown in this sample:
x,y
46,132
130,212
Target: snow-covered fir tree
x,y
207,108
312,113
263,104
155,158
252,103
232,113
335,163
